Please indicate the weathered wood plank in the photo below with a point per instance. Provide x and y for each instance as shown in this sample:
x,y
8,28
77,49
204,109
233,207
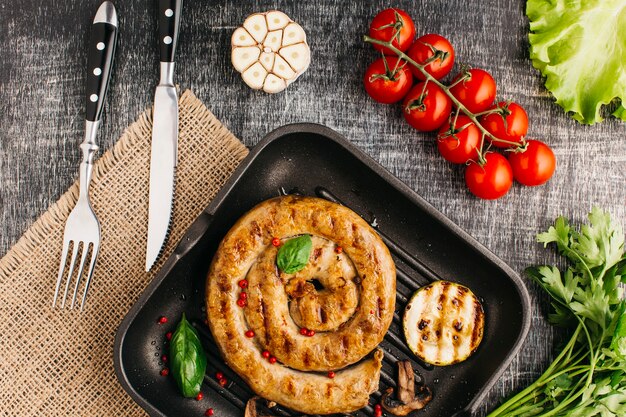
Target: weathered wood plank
x,y
41,90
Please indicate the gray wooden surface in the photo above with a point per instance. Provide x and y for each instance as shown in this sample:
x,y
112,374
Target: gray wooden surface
x,y
41,114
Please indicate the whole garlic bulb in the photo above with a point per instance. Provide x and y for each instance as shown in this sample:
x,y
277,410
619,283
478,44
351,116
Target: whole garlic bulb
x,y
270,51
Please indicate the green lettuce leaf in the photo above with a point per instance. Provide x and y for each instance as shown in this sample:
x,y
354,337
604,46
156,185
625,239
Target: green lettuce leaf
x,y
580,47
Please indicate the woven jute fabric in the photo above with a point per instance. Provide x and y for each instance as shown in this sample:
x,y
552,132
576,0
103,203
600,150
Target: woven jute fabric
x,y
60,362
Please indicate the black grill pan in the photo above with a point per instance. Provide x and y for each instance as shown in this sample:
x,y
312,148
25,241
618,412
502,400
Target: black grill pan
x,y
310,159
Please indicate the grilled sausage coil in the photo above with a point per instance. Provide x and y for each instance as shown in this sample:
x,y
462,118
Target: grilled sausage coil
x,y
345,296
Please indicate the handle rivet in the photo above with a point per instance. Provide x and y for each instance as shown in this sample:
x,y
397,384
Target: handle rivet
x,y
167,40
169,13
100,46
97,71
93,97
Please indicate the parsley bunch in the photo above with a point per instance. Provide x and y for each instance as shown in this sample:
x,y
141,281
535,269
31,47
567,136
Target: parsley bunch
x,y
588,377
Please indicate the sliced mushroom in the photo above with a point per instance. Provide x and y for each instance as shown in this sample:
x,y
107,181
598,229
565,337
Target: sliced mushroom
x,y
407,400
406,382
252,410
273,42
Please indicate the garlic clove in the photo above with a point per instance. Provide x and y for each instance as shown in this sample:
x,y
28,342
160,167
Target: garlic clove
x,y
257,26
274,84
277,20
298,56
244,56
293,33
254,76
241,37
273,41
267,60
282,69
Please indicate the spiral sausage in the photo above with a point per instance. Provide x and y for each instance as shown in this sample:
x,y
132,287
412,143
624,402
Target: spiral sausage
x,y
346,296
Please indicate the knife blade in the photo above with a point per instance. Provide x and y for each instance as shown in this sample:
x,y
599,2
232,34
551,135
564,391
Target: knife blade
x,y
163,153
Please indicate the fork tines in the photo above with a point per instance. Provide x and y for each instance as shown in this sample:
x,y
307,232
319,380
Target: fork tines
x,y
87,250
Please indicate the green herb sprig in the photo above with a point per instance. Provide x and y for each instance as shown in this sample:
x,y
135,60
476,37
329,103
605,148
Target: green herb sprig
x,y
588,377
188,360
294,254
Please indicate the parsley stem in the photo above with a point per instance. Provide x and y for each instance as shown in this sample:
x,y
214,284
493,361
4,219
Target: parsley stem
x,y
541,381
527,408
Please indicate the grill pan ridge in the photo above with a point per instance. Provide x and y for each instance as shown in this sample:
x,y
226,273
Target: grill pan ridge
x,y
314,160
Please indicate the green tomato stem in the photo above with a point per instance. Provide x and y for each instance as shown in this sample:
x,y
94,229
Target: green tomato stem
x,y
446,90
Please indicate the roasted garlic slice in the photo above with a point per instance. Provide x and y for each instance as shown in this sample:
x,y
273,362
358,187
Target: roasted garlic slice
x,y
270,51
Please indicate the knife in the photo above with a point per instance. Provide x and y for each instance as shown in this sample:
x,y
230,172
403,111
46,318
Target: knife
x,y
164,134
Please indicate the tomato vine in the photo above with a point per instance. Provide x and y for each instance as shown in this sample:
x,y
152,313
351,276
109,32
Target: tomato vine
x,y
473,128
513,146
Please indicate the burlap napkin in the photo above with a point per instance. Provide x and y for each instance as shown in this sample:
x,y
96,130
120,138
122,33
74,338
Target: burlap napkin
x,y
56,362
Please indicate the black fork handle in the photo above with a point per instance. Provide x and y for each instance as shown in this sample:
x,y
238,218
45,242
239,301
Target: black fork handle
x,y
100,60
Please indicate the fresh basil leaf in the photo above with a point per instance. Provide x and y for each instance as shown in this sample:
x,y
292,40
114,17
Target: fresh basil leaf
x,y
187,359
294,254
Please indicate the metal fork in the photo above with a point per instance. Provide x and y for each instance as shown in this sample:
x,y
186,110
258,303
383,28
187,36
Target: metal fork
x,y
82,229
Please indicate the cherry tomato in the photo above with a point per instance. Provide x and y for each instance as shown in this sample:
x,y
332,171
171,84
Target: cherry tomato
x,y
426,107
510,123
437,50
393,25
535,165
388,80
492,180
477,92
459,144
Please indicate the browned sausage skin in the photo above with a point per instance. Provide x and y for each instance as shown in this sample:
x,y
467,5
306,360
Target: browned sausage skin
x,y
347,298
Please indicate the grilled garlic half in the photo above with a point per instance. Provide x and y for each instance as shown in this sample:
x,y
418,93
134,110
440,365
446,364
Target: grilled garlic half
x,y
270,51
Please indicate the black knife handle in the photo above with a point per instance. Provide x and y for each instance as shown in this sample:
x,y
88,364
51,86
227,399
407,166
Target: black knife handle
x,y
100,60
169,19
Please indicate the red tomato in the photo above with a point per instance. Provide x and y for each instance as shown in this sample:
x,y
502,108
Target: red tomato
x,y
388,80
476,92
436,50
459,144
510,123
492,180
426,107
393,25
535,165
